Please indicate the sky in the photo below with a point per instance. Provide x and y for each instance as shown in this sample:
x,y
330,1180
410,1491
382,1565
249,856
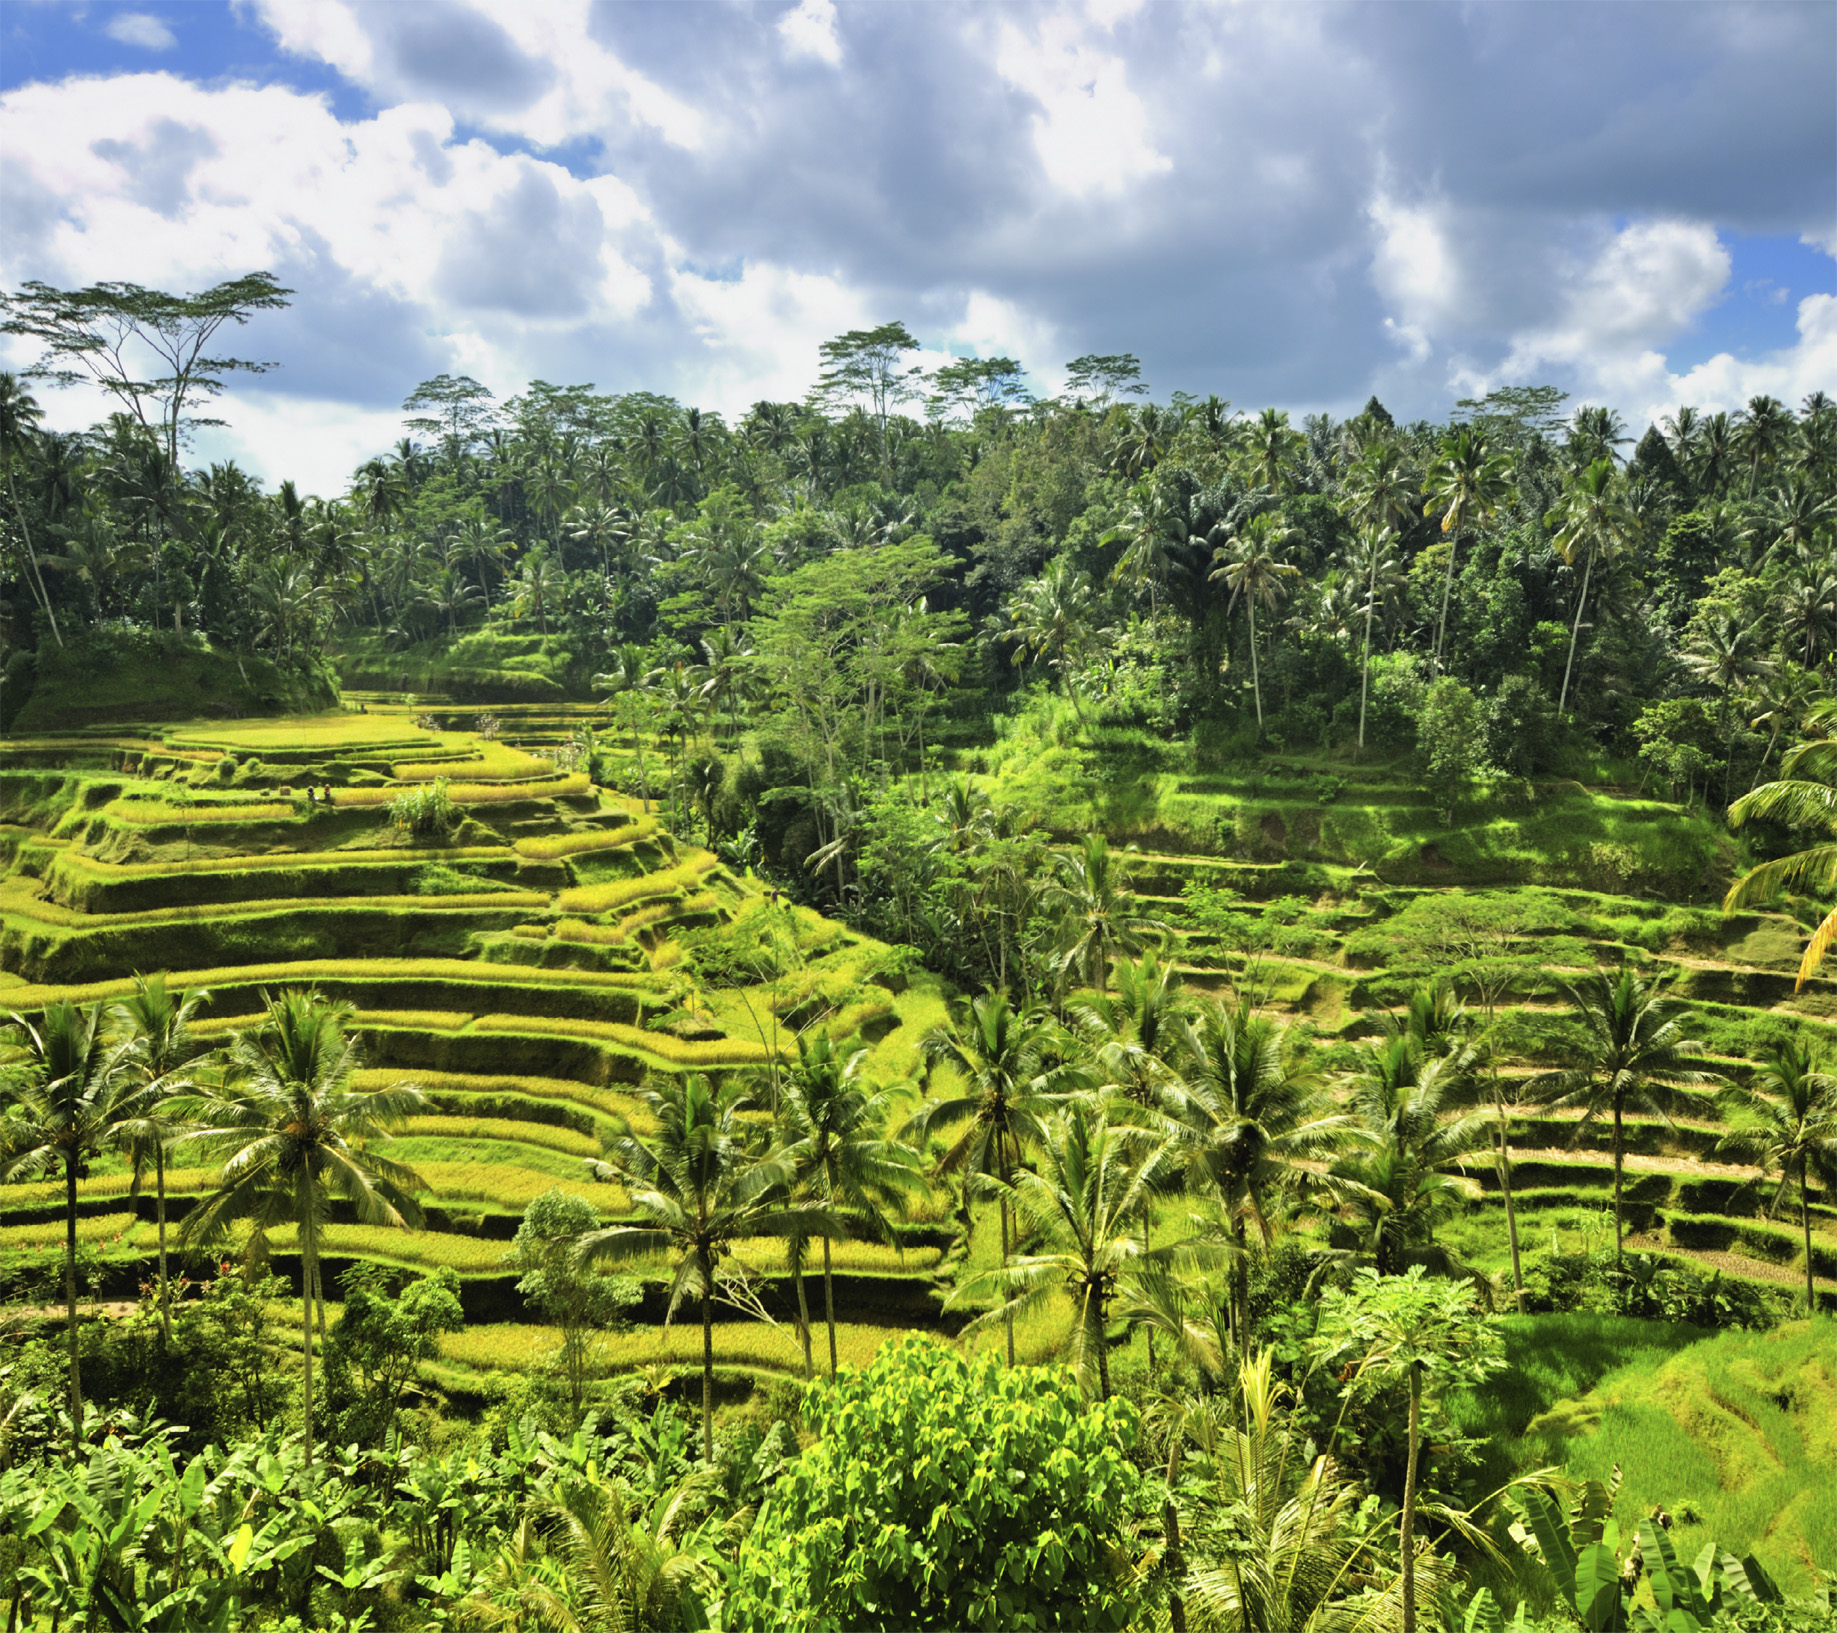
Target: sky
x,y
1296,204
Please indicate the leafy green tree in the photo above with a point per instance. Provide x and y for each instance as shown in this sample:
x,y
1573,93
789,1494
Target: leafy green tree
x,y
1785,1119
374,1354
1098,916
163,1057
699,1184
869,364
830,1122
67,1100
1629,1049
1429,1335
19,420
293,1133
946,1493
1450,744
1053,620
553,1282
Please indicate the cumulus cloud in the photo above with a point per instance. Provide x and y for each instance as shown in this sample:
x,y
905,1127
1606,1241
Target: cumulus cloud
x,y
137,28
809,30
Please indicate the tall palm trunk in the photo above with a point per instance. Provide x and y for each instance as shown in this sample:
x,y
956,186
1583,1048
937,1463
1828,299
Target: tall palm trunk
x,y
829,1307
1365,661
1441,626
707,1356
309,1276
803,1317
1007,1319
43,595
1811,1291
1256,685
1170,1536
1575,629
1619,1232
1407,1531
159,1208
1511,1212
1103,1353
70,1301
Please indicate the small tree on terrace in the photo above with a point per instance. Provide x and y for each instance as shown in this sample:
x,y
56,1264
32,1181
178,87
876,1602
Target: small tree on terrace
x,y
1098,918
578,1301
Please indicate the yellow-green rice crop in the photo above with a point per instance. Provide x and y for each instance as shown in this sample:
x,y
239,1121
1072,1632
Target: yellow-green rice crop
x,y
554,786
333,732
488,762
552,847
148,813
513,1188
98,1230
677,1051
603,898
749,1344
566,1140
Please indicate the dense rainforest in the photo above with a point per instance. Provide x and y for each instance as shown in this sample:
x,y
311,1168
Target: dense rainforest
x,y
929,1007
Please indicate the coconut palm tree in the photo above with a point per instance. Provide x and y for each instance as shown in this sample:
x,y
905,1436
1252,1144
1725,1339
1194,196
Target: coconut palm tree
x,y
1373,557
1762,433
540,587
1247,563
1785,1119
1154,528
1084,1200
1053,619
163,1056
1593,524
1133,1033
1467,483
20,416
1727,653
1012,1080
1269,449
1097,914
1247,1109
67,1100
830,1120
700,1184
1630,1050
294,1133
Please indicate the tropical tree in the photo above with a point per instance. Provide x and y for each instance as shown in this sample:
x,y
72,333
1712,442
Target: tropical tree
x,y
1097,914
830,1120
1133,1033
163,1057
1012,1081
1467,483
1247,563
1425,1334
68,1099
1152,530
1083,1200
1269,449
1762,433
1054,620
700,1184
20,416
1785,1120
1374,558
1630,1051
632,681
540,587
294,1132
1593,524
1247,1110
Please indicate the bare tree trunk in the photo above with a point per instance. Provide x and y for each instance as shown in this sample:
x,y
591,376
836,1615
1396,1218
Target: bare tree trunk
x,y
1511,1212
1007,1319
829,1307
1170,1534
707,1358
165,1281
1365,661
1619,1232
1811,1291
1441,627
803,1318
309,1274
70,1301
1408,1528
44,595
1575,629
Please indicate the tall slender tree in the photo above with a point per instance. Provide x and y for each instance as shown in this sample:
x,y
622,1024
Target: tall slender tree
x,y
1466,483
1593,525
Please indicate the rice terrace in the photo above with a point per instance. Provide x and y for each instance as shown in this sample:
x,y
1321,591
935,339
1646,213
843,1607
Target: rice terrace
x,y
861,976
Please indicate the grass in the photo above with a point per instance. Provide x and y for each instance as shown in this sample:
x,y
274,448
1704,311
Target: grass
x,y
1735,1435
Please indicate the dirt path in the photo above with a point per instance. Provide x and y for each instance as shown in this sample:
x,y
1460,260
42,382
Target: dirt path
x,y
1634,1164
1733,1264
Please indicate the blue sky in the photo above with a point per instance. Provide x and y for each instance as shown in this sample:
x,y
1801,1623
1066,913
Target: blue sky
x,y
1290,203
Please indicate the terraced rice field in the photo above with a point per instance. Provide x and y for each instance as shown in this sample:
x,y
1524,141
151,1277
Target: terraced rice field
x,y
524,969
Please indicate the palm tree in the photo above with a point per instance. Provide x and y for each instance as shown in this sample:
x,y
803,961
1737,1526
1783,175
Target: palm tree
x,y
1247,563
19,418
484,546
1372,559
1155,527
1133,1034
1595,524
67,1102
830,1121
726,674
1763,431
1804,797
1467,483
1409,1178
1097,914
162,1056
1247,1109
1084,1200
632,679
1053,618
1012,1083
1786,1119
294,1133
1630,1050
700,1185
1269,449
1726,653
541,585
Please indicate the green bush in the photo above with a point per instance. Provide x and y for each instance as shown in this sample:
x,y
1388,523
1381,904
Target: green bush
x,y
427,812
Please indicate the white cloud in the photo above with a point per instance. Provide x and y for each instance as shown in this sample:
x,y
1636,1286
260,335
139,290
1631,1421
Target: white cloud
x,y
1091,134
328,30
760,331
315,442
992,326
809,30
1727,382
137,28
1416,271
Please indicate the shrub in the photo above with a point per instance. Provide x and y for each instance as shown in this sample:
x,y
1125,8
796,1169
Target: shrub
x,y
424,812
947,1493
